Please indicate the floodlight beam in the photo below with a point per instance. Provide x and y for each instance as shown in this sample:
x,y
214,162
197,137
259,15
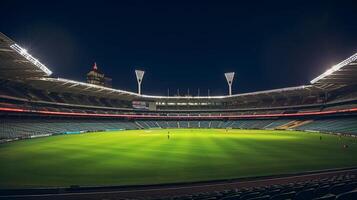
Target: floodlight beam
x,y
23,52
335,68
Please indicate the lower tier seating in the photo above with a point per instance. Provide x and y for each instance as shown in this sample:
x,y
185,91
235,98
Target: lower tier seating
x,y
344,126
23,128
335,188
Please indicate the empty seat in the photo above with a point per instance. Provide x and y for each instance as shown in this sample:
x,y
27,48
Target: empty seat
x,y
264,197
250,195
348,195
321,191
233,197
327,197
283,196
305,194
342,188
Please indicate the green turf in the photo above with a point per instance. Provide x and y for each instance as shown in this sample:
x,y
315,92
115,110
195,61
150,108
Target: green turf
x,y
149,157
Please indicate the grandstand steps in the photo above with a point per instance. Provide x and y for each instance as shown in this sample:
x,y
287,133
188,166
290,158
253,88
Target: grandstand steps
x,y
220,124
293,124
139,125
267,126
276,123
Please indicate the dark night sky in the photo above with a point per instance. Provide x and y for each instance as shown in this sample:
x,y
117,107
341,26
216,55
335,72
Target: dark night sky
x,y
269,44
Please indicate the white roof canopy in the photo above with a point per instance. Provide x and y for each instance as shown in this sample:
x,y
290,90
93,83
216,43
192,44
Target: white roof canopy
x,y
17,64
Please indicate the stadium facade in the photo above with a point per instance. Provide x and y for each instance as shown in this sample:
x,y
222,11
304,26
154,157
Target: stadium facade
x,y
28,89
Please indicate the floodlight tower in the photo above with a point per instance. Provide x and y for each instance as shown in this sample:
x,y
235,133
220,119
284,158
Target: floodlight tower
x,y
229,77
139,78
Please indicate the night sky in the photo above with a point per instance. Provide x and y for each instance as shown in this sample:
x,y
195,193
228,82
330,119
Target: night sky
x,y
181,44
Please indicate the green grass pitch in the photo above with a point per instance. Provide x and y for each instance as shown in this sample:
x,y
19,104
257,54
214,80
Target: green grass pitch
x,y
149,157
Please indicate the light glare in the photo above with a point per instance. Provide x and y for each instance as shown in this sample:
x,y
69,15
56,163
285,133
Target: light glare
x,y
30,58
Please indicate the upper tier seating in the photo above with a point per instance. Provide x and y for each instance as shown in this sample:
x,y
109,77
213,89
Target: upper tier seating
x,y
242,124
281,104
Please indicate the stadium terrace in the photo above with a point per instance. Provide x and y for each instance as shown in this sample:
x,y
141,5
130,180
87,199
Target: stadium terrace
x,y
62,139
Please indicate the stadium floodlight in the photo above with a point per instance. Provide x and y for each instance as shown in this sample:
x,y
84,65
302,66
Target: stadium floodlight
x,y
335,68
139,78
229,77
30,58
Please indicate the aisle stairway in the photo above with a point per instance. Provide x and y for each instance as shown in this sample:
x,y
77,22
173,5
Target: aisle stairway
x,y
293,124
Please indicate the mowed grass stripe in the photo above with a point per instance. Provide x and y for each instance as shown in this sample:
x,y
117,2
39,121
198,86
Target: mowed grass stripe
x,y
149,157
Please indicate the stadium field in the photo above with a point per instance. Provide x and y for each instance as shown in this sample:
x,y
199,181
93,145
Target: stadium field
x,y
151,157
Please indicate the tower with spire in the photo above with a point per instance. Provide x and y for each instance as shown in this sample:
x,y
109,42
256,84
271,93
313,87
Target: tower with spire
x,y
96,77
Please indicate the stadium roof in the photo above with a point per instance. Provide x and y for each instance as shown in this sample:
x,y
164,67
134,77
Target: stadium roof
x,y
339,75
17,64
70,86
